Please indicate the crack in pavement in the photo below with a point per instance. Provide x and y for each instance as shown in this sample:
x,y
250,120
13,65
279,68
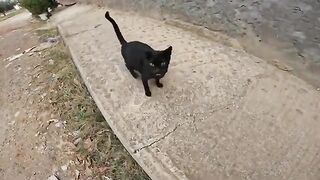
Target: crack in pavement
x,y
161,138
173,130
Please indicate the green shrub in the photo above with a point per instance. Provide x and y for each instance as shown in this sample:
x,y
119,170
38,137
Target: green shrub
x,y
2,10
36,7
6,6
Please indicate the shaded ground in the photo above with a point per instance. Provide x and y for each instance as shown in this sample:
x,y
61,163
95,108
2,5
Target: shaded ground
x,y
49,123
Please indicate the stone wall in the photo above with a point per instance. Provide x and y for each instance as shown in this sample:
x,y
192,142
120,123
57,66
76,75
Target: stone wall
x,y
295,23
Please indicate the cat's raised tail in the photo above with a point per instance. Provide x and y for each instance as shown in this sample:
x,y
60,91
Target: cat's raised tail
x,y
116,28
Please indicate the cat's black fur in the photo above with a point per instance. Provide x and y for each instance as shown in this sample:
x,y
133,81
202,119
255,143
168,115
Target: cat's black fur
x,y
140,57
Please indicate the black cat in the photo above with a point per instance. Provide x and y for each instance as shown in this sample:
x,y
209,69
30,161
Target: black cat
x,y
138,56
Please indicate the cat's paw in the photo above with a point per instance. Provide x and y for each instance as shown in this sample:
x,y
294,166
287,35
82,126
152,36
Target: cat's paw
x,y
159,85
148,94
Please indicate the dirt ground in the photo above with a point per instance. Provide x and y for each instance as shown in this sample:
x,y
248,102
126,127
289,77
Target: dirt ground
x,y
49,124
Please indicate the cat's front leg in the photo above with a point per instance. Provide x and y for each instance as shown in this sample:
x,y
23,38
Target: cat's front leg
x,y
158,83
146,87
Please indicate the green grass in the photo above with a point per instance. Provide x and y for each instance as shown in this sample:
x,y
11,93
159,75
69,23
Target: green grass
x,y
44,34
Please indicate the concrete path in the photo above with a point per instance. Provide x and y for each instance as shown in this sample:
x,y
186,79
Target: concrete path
x,y
222,113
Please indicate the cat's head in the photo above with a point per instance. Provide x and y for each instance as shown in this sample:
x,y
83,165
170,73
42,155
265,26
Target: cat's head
x,y
159,62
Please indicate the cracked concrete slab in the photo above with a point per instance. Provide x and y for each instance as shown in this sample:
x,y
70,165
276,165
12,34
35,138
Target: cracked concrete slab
x,y
222,114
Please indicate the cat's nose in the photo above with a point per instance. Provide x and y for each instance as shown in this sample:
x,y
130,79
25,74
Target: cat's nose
x,y
157,70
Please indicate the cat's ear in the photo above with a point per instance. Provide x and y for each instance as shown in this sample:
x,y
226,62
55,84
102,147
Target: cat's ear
x,y
149,55
168,51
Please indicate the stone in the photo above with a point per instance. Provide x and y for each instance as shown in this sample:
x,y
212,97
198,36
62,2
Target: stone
x,y
52,40
51,61
77,141
65,167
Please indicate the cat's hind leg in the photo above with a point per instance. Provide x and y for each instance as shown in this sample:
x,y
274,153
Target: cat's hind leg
x,y
134,74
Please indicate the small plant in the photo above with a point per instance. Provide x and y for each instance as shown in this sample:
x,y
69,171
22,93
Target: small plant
x,y
37,7
6,6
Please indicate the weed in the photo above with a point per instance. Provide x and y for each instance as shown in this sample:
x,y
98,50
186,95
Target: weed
x,y
44,34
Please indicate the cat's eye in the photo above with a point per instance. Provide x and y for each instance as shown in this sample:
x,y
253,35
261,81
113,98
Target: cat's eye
x,y
163,64
151,64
